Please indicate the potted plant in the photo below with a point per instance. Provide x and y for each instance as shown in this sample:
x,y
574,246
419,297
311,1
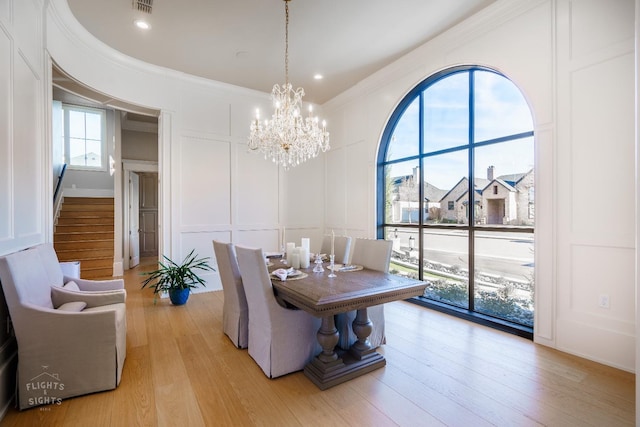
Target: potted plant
x,y
177,279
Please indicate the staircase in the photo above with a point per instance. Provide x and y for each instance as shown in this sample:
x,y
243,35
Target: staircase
x,y
84,232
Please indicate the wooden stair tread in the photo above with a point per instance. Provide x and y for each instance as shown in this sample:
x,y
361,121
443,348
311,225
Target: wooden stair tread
x,y
80,236
86,214
84,232
95,200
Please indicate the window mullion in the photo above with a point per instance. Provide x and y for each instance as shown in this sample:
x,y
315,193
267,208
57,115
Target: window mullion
x,y
421,180
471,198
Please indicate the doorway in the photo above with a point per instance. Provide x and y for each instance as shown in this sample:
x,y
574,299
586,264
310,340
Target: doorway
x,y
495,211
141,237
148,214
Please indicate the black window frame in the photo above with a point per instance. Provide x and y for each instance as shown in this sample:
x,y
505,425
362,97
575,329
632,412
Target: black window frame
x,y
470,227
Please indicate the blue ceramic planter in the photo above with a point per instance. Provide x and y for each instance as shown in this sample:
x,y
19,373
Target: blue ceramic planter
x,y
178,296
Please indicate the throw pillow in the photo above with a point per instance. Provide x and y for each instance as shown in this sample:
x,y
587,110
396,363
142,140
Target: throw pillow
x,y
75,306
71,286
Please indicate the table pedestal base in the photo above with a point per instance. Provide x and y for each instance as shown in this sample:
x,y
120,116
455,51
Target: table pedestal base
x,y
346,367
330,368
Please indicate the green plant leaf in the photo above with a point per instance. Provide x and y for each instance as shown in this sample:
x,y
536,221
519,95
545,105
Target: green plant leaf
x,y
171,275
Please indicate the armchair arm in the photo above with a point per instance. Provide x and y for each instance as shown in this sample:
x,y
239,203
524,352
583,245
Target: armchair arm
x,y
40,324
97,285
61,296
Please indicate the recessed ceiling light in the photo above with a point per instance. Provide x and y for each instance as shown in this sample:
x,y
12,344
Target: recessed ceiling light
x,y
143,25
318,76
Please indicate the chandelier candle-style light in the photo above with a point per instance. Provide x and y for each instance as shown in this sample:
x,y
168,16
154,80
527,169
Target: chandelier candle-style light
x,y
288,138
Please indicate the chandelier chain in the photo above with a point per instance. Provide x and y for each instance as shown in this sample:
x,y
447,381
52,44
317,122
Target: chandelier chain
x,y
286,42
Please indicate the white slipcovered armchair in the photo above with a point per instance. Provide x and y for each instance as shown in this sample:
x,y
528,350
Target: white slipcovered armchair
x,y
70,342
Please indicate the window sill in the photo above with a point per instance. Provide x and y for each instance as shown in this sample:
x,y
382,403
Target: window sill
x,y
482,319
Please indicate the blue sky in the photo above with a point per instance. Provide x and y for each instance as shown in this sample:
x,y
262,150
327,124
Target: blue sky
x,y
500,110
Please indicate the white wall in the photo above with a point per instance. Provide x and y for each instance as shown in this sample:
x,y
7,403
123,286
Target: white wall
x,y
210,186
138,145
23,182
574,62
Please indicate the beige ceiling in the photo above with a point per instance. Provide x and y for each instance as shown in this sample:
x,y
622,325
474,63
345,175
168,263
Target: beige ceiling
x,y
242,41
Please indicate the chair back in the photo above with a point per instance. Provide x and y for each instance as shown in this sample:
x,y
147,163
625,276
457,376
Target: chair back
x,y
341,247
372,254
51,264
24,280
257,288
235,311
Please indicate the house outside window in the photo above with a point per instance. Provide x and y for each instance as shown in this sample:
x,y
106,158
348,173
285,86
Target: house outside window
x,y
463,136
84,134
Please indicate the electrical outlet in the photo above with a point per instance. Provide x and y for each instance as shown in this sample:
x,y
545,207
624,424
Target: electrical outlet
x,y
603,301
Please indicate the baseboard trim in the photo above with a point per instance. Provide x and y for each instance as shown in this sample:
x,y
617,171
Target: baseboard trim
x,y
118,269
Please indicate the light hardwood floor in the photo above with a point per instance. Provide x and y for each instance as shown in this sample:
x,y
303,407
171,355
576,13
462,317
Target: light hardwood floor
x,y
182,371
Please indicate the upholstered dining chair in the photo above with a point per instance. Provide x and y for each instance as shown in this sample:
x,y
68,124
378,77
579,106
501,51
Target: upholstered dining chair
x,y
281,340
70,341
235,313
341,248
374,255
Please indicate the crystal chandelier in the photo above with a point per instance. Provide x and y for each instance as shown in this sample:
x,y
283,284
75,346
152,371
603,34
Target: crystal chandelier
x,y
288,138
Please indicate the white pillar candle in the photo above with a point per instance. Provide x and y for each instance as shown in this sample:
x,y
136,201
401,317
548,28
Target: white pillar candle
x,y
295,258
304,258
305,243
333,238
290,247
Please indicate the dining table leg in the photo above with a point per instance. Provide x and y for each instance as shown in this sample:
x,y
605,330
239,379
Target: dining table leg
x,y
329,368
362,328
328,337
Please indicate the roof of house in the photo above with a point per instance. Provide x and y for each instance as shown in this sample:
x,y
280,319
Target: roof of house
x,y
505,184
431,192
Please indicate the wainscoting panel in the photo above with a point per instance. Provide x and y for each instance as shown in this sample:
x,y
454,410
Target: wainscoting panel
x,y
359,191
204,111
595,25
336,175
204,190
599,272
6,166
256,191
28,149
28,34
596,151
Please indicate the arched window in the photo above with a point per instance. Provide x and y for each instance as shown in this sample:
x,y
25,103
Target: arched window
x,y
461,138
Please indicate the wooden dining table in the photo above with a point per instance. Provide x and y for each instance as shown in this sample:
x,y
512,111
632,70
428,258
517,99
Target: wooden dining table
x,y
324,296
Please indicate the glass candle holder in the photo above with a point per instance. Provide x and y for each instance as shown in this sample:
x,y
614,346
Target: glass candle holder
x,y
332,266
318,268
